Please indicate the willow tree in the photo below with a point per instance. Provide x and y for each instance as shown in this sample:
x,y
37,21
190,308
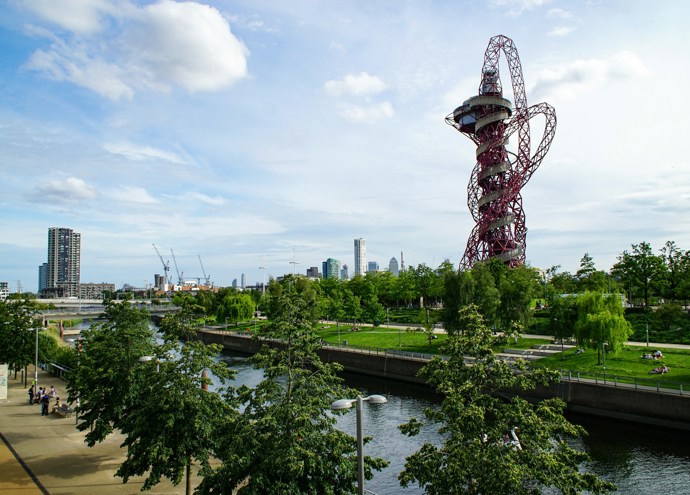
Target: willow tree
x,y
493,440
600,320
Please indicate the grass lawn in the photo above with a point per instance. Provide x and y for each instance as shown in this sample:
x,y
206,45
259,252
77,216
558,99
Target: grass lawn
x,y
393,338
627,362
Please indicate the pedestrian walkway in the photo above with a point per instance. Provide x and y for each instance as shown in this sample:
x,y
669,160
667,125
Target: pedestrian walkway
x,y
47,454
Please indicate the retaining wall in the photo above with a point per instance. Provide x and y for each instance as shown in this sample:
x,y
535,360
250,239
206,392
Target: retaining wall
x,y
642,406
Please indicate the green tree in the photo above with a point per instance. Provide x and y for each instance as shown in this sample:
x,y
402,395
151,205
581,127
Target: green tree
x,y
236,307
642,271
173,422
475,417
285,440
600,320
104,379
17,341
517,288
678,267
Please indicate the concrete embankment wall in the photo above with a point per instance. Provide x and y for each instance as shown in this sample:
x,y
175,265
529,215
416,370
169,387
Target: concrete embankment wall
x,y
642,406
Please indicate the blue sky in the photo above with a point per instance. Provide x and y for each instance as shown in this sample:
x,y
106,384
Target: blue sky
x,y
249,132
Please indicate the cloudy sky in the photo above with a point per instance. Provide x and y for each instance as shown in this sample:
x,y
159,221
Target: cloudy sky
x,y
255,133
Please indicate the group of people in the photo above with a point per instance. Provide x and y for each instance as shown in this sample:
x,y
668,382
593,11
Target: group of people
x,y
654,355
43,396
660,370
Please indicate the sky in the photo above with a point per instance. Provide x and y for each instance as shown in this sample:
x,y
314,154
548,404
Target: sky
x,y
256,133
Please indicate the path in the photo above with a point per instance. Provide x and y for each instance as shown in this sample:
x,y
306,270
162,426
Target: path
x,y
47,454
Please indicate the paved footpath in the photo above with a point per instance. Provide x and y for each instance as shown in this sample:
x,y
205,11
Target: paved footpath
x,y
47,454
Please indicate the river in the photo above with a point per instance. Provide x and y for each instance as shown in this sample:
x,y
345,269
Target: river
x,y
640,459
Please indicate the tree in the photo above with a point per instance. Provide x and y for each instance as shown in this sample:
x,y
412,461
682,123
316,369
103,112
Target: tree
x,y
562,317
600,320
17,341
517,287
641,270
236,307
475,417
104,380
173,421
285,440
678,267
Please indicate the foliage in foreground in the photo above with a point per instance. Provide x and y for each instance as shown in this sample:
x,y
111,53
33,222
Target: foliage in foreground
x,y
285,440
477,414
105,377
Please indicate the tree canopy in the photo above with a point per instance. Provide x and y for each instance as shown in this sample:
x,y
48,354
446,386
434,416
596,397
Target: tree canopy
x,y
494,442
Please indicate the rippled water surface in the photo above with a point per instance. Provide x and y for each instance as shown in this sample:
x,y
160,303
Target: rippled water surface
x,y
641,460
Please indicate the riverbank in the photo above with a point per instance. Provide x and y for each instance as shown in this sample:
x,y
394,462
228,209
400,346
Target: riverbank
x,y
640,404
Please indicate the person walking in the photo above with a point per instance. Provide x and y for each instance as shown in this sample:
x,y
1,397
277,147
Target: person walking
x,y
31,395
45,402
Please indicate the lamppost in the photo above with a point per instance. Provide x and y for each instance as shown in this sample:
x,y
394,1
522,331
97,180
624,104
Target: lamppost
x,y
36,363
604,345
347,404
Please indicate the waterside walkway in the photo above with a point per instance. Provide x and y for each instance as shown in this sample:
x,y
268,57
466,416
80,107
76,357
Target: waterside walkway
x,y
47,454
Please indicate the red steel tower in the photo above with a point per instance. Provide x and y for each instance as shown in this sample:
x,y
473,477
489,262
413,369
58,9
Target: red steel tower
x,y
493,193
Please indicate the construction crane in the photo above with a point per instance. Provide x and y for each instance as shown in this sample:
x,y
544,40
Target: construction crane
x,y
166,267
180,280
207,278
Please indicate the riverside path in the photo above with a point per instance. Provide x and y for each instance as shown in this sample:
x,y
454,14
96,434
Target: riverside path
x,y
47,454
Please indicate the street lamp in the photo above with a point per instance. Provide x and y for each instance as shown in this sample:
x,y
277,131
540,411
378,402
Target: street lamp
x,y
146,359
604,345
36,363
347,404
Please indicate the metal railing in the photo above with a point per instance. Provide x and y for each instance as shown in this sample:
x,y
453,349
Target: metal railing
x,y
622,381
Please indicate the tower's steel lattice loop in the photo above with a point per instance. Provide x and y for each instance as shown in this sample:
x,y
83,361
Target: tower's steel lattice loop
x,y
493,193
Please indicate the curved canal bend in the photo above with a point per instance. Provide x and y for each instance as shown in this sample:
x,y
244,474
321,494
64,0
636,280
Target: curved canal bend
x,y
641,460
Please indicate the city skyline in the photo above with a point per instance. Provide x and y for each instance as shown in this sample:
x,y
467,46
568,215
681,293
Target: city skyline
x,y
256,134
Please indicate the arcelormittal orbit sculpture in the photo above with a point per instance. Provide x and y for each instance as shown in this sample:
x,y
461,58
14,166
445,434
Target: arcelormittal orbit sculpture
x,y
493,193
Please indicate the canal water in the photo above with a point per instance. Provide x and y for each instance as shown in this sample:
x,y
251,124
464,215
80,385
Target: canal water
x,y
641,460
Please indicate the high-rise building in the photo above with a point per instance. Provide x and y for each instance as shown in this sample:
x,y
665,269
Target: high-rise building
x,y
64,262
313,272
4,291
393,267
360,256
331,268
234,283
373,266
243,283
42,277
345,273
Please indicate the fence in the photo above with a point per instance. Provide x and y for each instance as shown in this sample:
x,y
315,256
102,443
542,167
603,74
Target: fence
x,y
646,384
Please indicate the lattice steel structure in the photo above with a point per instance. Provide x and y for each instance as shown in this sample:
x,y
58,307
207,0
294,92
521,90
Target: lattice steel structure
x,y
493,193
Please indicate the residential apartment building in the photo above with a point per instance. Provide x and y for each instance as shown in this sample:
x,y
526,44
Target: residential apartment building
x,y
360,256
64,261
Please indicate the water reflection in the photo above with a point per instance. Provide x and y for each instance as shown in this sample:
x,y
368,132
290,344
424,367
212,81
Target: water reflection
x,y
641,460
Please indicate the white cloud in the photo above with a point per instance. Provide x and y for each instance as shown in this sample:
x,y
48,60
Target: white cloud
x,y
517,7
143,153
72,63
560,31
66,191
358,85
368,114
559,14
197,197
78,16
131,194
160,46
187,44
567,80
